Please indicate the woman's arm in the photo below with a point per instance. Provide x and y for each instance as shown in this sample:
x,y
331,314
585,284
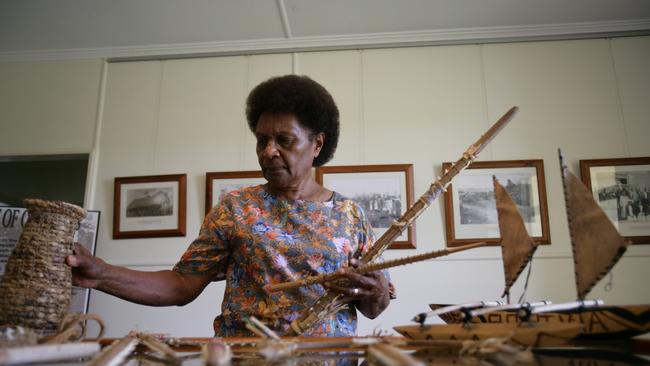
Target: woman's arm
x,y
160,288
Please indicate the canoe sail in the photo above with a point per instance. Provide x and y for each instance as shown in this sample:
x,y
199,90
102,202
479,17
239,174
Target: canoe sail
x,y
517,247
596,243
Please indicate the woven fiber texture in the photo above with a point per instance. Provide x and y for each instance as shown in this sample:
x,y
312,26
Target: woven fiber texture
x,y
37,285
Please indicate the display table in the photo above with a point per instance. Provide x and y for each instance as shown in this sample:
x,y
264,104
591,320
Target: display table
x,y
148,349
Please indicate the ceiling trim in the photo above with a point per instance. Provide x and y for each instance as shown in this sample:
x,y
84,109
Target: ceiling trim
x,y
356,41
285,19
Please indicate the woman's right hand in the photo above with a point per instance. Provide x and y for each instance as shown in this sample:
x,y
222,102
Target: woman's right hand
x,y
87,270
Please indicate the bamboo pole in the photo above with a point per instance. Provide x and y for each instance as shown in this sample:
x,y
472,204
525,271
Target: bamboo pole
x,y
47,353
384,354
319,310
327,277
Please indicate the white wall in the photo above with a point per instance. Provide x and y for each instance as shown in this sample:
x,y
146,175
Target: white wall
x,y
48,107
407,105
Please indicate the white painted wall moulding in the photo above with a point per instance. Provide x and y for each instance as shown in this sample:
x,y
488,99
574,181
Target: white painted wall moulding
x,y
541,32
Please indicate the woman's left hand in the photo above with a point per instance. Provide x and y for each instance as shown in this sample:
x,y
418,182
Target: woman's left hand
x,y
369,292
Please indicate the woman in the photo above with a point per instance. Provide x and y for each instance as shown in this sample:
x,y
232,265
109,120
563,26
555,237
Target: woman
x,y
286,229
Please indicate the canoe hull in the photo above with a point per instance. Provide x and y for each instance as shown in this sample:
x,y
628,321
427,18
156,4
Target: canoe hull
x,y
603,323
547,335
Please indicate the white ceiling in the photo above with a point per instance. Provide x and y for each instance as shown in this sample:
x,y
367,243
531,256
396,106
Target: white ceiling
x,y
55,29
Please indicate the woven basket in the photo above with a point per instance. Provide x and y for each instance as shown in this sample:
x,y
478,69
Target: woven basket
x,y
37,284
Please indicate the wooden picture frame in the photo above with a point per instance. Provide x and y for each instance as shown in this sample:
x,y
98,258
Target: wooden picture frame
x,y
470,206
384,191
621,186
219,183
149,206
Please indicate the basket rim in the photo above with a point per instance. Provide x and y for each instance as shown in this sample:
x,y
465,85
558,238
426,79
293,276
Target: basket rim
x,y
55,207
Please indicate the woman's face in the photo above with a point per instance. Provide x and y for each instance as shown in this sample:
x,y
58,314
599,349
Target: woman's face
x,y
285,149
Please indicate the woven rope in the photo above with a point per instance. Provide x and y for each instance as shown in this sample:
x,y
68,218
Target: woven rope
x,y
37,284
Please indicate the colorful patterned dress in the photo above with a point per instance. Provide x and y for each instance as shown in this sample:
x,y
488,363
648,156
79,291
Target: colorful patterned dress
x,y
253,238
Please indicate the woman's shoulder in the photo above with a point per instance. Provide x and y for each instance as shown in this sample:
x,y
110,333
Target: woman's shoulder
x,y
243,195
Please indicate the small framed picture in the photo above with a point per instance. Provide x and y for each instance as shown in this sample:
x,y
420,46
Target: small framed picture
x,y
217,184
470,206
622,189
149,206
385,192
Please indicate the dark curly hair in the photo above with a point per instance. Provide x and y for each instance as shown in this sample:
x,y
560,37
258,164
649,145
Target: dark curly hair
x,y
312,105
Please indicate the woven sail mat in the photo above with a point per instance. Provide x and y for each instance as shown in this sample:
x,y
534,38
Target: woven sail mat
x,y
597,245
517,246
37,283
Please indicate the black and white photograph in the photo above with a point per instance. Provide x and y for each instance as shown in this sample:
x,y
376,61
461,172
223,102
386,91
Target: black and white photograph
x,y
385,192
477,204
218,184
470,205
149,206
622,189
150,202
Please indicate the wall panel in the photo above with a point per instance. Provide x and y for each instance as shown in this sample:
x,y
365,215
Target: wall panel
x,y
340,74
631,59
48,107
422,106
126,145
260,68
568,100
200,111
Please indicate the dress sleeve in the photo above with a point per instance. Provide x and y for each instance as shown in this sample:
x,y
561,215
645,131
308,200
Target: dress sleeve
x,y
209,253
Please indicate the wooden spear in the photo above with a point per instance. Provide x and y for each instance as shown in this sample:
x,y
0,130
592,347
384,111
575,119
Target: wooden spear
x,y
327,277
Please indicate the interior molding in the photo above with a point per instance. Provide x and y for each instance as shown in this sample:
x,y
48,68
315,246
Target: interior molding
x,y
565,31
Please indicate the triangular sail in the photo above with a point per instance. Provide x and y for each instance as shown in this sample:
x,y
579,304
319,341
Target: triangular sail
x,y
517,246
596,243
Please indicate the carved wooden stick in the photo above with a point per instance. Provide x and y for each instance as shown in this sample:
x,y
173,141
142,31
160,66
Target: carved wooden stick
x,y
372,267
315,313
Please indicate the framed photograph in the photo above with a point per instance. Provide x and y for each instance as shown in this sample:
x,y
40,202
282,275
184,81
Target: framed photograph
x,y
149,206
622,189
384,191
470,206
217,184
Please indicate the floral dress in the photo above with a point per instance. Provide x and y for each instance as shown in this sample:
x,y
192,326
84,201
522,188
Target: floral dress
x,y
253,238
